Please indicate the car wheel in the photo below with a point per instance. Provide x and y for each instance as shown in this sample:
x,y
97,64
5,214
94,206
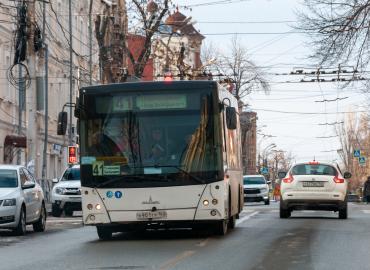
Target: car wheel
x,y
284,212
55,210
68,212
104,233
343,213
21,227
40,224
267,202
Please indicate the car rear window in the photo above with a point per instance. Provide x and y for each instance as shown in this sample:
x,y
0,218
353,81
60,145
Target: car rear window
x,y
254,180
71,174
8,178
313,169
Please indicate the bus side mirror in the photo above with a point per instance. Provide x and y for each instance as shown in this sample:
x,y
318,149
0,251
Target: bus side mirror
x,y
231,117
281,175
62,123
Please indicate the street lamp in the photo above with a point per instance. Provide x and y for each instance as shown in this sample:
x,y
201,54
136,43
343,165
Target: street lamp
x,y
264,160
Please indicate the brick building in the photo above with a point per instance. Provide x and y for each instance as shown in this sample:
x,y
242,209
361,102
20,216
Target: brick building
x,y
248,123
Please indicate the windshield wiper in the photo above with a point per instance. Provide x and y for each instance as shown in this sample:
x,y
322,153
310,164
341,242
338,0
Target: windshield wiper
x,y
115,179
120,178
196,178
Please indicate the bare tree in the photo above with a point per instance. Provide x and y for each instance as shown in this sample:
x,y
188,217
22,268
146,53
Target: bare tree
x,y
150,18
143,19
354,134
241,71
339,30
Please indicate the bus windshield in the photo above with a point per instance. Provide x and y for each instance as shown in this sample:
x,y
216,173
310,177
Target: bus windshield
x,y
140,140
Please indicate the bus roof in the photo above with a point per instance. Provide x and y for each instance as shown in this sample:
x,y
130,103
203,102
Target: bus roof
x,y
157,85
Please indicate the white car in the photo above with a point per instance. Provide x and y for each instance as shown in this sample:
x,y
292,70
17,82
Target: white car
x,y
314,186
256,189
21,200
66,194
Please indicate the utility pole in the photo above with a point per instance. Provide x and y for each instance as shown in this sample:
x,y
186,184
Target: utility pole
x,y
90,42
32,145
21,92
46,94
70,73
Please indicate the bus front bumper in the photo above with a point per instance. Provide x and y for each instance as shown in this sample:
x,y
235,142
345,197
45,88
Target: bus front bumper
x,y
157,216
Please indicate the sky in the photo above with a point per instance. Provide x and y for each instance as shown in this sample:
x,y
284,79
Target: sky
x,y
293,115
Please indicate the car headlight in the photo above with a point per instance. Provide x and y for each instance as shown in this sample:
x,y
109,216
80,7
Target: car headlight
x,y
9,202
60,191
263,190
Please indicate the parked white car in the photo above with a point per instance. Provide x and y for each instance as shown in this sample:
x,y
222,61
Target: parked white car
x,y
21,200
256,189
66,194
314,186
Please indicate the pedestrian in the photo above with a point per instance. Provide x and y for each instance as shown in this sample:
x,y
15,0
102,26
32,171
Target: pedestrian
x,y
276,192
367,190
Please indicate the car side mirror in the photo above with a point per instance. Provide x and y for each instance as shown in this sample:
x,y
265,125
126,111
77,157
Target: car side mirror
x,y
281,175
55,180
347,175
28,185
231,118
268,182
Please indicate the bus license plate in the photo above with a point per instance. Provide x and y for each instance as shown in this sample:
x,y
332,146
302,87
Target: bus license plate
x,y
151,215
313,184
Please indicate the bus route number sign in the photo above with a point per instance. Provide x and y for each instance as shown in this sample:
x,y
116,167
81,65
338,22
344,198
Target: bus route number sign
x,y
97,168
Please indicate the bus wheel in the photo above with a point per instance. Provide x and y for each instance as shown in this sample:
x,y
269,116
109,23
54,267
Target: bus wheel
x,y
221,227
104,233
232,222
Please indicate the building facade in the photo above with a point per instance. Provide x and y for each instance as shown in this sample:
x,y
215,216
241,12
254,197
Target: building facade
x,y
248,123
15,97
177,49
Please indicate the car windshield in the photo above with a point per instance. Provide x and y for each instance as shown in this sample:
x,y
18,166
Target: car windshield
x,y
8,179
313,169
254,180
71,174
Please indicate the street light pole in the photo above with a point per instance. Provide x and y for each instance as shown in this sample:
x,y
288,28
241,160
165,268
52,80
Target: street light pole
x,y
70,73
264,153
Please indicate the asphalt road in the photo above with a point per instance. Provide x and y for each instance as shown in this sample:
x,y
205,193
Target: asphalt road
x,y
307,240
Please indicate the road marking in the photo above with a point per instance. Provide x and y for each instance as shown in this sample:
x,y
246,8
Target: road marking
x,y
172,262
239,221
64,220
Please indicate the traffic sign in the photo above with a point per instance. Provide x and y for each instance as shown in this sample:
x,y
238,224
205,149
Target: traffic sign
x,y
362,160
264,170
357,153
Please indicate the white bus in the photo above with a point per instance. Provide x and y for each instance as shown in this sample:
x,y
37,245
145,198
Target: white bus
x,y
156,154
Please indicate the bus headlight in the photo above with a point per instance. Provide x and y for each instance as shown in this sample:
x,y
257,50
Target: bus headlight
x,y
205,202
214,201
98,207
213,212
90,206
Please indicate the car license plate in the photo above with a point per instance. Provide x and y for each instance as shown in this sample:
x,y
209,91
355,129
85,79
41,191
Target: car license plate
x,y
312,184
151,215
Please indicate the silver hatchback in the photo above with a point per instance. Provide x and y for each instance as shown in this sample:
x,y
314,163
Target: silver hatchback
x,y
21,200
